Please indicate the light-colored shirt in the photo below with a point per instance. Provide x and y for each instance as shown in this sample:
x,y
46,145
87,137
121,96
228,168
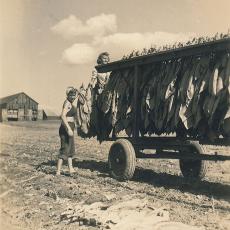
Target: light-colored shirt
x,y
101,78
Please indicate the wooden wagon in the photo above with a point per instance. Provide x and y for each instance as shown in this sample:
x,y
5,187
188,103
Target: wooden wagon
x,y
189,151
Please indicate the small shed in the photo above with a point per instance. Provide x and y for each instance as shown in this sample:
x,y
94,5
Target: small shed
x,y
45,113
18,107
48,114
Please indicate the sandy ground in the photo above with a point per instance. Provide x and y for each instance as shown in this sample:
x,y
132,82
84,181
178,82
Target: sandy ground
x,y
156,198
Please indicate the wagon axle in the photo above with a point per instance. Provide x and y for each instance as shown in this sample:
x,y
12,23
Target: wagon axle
x,y
191,155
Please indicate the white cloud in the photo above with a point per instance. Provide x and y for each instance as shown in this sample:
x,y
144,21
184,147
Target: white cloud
x,y
68,27
95,26
119,44
102,30
102,24
79,53
123,43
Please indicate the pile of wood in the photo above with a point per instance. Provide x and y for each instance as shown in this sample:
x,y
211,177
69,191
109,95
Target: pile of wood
x,y
188,95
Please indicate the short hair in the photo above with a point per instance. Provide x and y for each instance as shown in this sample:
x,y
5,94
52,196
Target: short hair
x,y
99,59
71,90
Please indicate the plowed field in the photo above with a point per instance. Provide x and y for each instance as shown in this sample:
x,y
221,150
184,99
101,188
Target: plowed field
x,y
157,197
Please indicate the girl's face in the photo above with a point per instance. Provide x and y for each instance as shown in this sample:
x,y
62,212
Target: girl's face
x,y
104,59
71,97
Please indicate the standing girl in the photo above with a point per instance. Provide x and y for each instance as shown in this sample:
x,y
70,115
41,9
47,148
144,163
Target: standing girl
x,y
66,131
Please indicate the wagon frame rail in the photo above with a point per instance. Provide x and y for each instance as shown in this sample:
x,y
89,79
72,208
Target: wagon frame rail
x,y
192,50
170,147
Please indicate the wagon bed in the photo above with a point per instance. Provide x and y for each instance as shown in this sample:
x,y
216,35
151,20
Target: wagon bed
x,y
189,151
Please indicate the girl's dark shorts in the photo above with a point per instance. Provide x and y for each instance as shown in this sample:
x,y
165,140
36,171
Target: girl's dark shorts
x,y
67,143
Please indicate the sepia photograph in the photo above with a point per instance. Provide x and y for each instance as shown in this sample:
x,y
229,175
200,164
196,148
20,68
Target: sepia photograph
x,y
114,115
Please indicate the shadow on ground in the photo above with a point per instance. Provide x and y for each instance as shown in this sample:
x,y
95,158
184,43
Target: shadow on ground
x,y
210,189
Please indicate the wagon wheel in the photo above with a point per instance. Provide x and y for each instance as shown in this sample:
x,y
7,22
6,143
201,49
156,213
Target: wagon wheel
x,y
122,160
194,169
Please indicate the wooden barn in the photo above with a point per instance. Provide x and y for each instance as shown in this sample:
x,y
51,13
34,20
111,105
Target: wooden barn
x,y
18,107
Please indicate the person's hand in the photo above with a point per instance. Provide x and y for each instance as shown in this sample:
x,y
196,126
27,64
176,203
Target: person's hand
x,y
70,132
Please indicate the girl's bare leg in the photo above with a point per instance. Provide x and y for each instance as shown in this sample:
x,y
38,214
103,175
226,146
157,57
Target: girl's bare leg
x,y
59,165
70,165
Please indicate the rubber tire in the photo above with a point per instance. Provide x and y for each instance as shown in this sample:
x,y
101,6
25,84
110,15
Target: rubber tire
x,y
194,169
122,160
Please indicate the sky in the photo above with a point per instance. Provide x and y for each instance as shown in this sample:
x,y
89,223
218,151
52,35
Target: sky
x,y
48,45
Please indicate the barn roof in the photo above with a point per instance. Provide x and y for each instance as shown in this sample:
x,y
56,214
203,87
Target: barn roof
x,y
5,100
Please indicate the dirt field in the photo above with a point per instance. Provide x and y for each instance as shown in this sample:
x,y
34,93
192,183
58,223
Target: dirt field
x,y
156,198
